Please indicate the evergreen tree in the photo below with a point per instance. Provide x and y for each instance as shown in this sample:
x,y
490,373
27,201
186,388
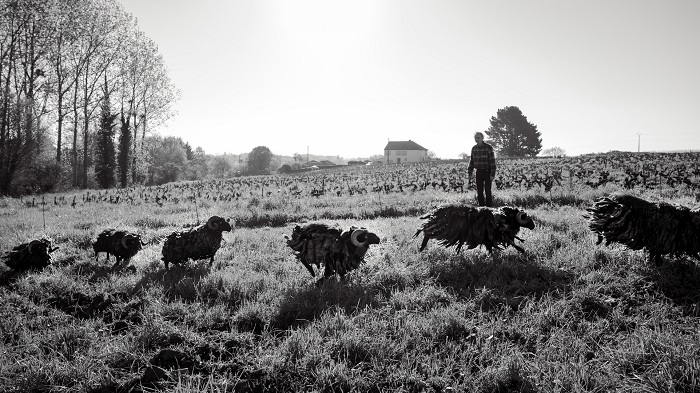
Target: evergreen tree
x,y
197,168
512,135
124,158
189,151
105,160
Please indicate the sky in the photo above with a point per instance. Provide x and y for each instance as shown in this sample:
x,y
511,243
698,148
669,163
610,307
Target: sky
x,y
344,77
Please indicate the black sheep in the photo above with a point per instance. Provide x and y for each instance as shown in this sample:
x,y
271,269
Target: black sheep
x,y
339,252
34,255
122,244
197,243
494,228
659,227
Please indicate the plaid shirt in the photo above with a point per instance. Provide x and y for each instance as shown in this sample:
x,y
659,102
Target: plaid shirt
x,y
482,158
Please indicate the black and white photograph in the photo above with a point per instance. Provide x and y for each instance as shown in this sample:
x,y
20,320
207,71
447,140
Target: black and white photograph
x,y
349,196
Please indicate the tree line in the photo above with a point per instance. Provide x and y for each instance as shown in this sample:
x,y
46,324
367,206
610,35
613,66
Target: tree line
x,y
81,88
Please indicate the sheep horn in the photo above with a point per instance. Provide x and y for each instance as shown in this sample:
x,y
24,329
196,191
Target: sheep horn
x,y
31,245
357,235
213,223
521,217
617,211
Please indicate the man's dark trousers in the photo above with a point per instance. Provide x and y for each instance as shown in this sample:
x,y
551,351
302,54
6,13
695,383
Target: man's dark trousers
x,y
483,184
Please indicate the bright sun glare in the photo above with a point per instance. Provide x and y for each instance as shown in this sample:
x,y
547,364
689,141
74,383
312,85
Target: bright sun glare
x,y
314,16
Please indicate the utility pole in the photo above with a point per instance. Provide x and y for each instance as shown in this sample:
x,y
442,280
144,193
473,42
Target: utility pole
x,y
639,138
307,154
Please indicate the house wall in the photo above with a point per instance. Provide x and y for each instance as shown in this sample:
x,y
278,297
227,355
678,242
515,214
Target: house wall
x,y
392,156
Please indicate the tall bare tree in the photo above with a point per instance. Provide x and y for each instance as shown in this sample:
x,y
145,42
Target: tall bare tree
x,y
56,56
148,88
21,74
63,29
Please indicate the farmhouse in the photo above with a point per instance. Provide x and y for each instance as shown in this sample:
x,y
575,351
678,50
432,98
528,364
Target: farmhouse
x,y
397,152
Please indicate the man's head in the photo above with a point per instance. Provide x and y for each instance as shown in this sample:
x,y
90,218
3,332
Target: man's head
x,y
479,138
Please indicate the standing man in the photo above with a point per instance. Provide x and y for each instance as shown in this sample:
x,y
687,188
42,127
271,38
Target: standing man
x,y
484,161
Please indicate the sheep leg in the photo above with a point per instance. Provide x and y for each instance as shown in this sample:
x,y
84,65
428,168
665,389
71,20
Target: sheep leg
x,y
415,235
307,256
496,256
328,270
309,268
126,262
425,243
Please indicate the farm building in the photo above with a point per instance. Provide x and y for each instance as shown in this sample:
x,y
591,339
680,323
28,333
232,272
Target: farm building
x,y
397,152
319,164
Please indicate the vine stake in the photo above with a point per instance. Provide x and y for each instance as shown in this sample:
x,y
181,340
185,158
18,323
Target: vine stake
x,y
43,211
196,208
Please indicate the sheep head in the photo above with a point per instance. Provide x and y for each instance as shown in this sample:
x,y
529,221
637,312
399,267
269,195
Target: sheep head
x,y
132,241
361,238
218,224
41,247
524,220
516,218
37,247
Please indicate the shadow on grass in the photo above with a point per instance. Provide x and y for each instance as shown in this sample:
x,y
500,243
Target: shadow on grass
x,y
179,282
302,305
492,284
508,279
98,270
91,268
679,280
258,220
8,277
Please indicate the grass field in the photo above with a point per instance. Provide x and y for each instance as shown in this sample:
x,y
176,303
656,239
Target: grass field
x,y
566,316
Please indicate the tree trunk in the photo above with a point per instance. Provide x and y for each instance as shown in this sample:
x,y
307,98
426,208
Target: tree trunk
x,y
75,135
60,92
133,154
86,130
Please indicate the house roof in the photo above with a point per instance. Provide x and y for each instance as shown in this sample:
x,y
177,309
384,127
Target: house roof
x,y
403,145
